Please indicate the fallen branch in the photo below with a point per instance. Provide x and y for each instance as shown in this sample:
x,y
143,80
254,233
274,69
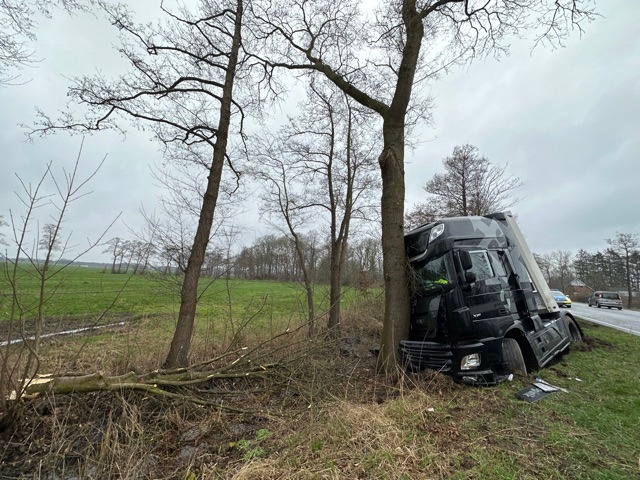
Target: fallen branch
x,y
97,381
155,383
179,383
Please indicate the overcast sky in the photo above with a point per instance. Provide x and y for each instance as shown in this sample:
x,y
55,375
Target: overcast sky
x,y
567,122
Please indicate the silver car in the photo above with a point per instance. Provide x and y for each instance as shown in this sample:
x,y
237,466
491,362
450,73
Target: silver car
x,y
606,299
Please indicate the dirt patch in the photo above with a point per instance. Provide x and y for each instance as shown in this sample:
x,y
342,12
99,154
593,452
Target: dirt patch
x,y
590,343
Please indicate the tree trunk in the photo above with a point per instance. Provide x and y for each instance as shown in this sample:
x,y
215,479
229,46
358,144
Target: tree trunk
x,y
629,289
306,277
181,342
340,234
397,310
396,314
335,280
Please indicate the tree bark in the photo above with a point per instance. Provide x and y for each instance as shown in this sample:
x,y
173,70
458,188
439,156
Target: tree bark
x,y
396,315
397,310
335,280
181,342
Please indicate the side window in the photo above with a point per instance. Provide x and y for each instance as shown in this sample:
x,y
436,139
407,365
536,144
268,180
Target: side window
x,y
496,262
527,276
433,274
481,265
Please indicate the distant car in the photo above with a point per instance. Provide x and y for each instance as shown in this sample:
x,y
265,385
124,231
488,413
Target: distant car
x,y
605,299
561,299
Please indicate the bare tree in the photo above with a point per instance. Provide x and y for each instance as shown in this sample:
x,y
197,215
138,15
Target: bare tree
x,y
544,261
281,201
561,268
339,148
50,238
181,87
115,249
634,263
18,30
19,366
377,60
365,256
421,214
471,185
327,155
626,245
274,257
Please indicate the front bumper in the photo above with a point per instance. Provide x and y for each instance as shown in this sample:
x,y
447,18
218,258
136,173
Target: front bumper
x,y
446,358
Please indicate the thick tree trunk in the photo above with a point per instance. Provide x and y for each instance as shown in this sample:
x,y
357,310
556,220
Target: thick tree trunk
x,y
397,310
181,342
396,314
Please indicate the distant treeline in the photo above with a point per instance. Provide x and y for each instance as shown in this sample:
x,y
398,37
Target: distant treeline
x,y
270,257
606,270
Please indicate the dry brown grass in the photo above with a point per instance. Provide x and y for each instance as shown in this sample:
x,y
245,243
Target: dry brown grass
x,y
130,435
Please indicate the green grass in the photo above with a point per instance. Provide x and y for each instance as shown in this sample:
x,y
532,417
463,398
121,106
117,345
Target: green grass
x,y
89,291
227,309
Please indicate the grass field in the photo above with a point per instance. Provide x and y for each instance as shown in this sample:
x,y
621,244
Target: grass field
x,y
229,310
326,414
78,291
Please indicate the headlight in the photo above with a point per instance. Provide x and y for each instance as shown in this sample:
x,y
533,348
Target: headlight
x,y
436,232
470,361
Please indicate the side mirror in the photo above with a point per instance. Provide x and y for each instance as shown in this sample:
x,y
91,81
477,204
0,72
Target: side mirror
x,y
465,259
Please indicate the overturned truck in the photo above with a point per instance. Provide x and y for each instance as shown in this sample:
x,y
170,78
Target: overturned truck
x,y
480,307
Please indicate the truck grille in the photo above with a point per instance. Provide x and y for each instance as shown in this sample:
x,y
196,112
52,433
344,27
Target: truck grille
x,y
421,355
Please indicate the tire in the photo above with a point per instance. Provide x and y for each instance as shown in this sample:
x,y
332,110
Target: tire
x,y
574,331
512,355
619,308
598,305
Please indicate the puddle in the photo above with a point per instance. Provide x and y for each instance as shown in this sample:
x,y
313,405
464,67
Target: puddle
x,y
64,332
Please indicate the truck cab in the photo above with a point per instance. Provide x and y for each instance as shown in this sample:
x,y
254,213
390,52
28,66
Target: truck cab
x,y
480,307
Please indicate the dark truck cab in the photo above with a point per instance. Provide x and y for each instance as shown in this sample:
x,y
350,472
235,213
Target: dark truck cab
x,y
480,307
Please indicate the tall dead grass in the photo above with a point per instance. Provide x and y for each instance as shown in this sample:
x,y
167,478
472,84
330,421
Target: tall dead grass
x,y
323,412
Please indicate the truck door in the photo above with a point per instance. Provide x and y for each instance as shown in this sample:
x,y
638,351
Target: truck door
x,y
485,297
431,280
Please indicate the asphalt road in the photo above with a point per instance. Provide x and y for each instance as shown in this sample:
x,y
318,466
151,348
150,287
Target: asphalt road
x,y
624,320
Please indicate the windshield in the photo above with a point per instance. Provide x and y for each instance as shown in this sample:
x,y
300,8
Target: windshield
x,y
435,274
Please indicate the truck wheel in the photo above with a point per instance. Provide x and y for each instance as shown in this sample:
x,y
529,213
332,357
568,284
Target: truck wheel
x,y
512,355
574,331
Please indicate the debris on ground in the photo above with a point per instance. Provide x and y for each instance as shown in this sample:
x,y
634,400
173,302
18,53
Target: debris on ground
x,y
538,390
